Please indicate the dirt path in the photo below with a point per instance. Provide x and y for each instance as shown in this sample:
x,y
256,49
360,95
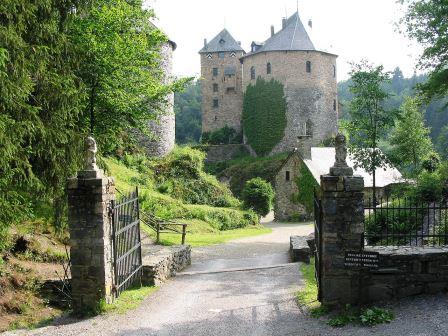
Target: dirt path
x,y
244,288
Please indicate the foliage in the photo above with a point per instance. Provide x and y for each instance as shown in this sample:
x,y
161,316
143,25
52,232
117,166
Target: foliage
x,y
181,175
410,138
365,316
442,142
369,120
306,183
187,107
264,115
120,68
429,186
223,136
425,22
241,170
258,195
171,207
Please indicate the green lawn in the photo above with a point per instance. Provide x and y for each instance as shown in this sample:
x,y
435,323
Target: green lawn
x,y
201,238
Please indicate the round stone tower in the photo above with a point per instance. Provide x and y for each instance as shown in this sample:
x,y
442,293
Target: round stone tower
x,y
163,127
309,81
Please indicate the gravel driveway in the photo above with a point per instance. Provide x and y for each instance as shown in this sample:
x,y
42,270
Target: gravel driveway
x,y
245,287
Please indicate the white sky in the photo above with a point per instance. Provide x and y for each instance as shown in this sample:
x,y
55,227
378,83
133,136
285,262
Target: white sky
x,y
355,29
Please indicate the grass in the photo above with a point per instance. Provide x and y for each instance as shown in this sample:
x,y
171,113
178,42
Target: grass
x,y
129,299
207,237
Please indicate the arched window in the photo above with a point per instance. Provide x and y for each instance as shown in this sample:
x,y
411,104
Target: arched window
x,y
268,68
252,73
309,128
308,66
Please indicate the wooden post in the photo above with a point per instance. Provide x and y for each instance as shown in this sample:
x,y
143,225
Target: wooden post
x,y
184,233
158,232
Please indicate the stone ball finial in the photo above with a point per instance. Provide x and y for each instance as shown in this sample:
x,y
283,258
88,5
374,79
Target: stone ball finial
x,y
340,166
90,152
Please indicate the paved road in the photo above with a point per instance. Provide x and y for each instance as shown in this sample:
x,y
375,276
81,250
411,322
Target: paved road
x,y
255,298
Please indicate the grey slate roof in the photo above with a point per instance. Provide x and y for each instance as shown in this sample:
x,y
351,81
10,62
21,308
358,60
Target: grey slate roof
x,y
293,37
222,42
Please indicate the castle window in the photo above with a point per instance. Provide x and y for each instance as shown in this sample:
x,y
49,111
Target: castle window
x,y
221,54
230,90
233,54
334,71
252,73
268,68
209,56
309,128
215,87
215,72
335,105
215,103
287,175
308,66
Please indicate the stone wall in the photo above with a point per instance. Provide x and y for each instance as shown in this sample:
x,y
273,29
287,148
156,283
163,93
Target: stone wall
x,y
230,101
310,96
285,208
218,153
162,262
163,128
406,271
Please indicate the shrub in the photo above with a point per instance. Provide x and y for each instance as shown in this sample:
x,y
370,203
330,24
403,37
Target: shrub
x,y
258,195
306,183
429,186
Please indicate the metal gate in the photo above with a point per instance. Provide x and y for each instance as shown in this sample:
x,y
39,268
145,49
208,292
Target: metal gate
x,y
318,242
127,250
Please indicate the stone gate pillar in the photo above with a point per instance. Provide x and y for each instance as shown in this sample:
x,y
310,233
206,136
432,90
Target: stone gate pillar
x,y
89,196
342,229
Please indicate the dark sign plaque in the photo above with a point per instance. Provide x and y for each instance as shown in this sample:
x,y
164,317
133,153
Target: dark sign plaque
x,y
361,259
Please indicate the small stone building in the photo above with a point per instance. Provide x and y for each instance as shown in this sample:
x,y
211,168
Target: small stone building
x,y
318,161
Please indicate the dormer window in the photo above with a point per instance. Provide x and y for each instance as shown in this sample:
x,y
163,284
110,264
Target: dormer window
x,y
268,68
252,73
222,41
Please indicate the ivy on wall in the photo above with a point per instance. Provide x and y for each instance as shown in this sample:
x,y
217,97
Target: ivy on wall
x,y
306,183
264,115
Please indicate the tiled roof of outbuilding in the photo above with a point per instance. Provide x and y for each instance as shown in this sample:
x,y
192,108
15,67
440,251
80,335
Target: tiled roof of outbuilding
x,y
222,42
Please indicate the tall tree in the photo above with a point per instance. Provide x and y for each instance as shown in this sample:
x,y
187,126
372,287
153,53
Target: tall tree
x,y
410,138
121,69
426,22
369,121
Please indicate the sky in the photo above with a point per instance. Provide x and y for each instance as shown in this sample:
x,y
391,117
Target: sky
x,y
353,29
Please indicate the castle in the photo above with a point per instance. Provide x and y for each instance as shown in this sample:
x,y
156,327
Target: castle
x,y
308,76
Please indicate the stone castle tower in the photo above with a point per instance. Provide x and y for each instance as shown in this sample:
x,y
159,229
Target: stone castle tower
x,y
289,56
222,93
163,127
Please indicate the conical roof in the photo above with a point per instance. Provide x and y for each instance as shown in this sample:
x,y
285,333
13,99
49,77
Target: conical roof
x,y
224,41
293,37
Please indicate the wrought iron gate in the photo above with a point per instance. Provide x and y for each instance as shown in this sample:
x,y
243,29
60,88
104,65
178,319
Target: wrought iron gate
x,y
127,251
318,242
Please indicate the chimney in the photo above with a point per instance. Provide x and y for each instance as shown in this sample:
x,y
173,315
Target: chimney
x,y
310,23
283,23
272,31
205,42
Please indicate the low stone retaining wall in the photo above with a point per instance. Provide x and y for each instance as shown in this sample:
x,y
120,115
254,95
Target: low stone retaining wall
x,y
299,249
406,271
217,153
163,262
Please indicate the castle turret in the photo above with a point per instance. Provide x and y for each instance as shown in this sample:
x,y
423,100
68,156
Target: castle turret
x,y
222,94
308,76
